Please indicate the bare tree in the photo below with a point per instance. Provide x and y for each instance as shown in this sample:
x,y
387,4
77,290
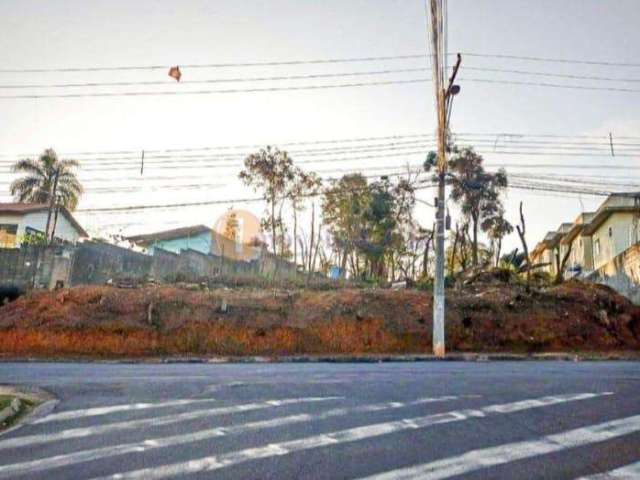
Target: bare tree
x,y
521,233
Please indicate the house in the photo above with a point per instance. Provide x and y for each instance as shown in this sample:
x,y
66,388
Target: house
x,y
546,251
19,221
198,238
614,227
580,259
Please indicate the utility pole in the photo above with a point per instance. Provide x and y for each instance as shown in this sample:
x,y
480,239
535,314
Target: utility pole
x,y
444,97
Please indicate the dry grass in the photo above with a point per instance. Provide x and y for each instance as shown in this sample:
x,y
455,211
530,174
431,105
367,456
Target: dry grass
x,y
110,322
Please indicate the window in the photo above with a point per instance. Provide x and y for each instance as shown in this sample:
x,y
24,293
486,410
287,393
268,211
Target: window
x,y
8,232
33,236
596,246
610,232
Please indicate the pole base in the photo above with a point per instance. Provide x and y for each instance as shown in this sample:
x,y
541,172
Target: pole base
x,y
438,350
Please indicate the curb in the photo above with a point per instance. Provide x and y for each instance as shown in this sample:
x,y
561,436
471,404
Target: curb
x,y
452,357
33,394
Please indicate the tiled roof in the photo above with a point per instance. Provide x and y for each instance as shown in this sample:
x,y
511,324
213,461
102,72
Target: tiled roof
x,y
184,232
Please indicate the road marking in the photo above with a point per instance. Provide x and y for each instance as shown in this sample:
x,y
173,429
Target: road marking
x,y
148,422
511,452
215,462
97,411
628,472
150,444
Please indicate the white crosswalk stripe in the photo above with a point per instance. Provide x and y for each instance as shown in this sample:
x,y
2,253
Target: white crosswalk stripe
x,y
150,444
628,472
98,411
153,421
488,457
216,462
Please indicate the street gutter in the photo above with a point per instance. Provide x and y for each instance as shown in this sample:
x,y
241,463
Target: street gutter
x,y
378,358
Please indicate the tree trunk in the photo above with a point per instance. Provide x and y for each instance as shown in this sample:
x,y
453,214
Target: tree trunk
x,y
295,236
474,246
55,222
499,249
311,237
52,201
562,265
452,259
521,233
273,224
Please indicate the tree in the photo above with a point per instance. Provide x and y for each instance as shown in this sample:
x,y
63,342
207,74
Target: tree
x,y
47,180
304,185
271,172
522,230
476,191
497,227
231,226
343,205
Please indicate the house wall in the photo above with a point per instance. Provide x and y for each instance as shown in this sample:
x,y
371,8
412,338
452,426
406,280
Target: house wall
x,y
200,243
581,254
38,221
615,235
622,273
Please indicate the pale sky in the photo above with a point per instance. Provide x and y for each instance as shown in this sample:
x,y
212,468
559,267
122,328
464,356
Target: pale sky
x,y
61,34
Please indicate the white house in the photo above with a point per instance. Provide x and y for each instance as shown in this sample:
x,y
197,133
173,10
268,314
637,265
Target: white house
x,y
19,220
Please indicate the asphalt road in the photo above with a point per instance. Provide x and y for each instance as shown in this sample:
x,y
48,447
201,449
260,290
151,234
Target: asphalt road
x,y
503,420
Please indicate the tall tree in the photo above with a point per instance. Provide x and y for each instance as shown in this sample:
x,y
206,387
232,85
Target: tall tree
x,y
47,180
231,226
303,186
497,227
476,191
270,171
343,205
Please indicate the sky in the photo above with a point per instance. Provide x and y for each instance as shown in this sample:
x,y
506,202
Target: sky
x,y
61,34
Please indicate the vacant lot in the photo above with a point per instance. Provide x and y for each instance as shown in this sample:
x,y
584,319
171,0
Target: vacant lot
x,y
156,321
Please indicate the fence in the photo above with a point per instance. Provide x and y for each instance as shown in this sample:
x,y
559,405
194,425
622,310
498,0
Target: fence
x,y
97,263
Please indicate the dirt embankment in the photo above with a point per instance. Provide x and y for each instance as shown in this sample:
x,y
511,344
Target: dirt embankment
x,y
157,321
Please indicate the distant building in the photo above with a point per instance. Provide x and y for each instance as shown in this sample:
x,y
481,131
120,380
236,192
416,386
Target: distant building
x,y
548,249
581,257
614,227
197,238
19,221
605,245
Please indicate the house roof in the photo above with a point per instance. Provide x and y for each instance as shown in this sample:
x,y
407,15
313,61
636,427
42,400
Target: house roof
x,y
184,232
20,209
616,202
578,225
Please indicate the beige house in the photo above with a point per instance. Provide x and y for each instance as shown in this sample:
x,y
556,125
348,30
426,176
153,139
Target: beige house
x,y
546,251
581,256
614,227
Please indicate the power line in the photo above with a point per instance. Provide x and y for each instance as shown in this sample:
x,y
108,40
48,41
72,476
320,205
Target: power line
x,y
214,65
462,136
308,77
302,88
215,80
552,60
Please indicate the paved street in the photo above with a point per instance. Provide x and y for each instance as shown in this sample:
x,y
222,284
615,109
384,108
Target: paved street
x,y
510,420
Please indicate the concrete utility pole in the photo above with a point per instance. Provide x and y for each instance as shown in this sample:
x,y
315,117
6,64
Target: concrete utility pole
x,y
443,96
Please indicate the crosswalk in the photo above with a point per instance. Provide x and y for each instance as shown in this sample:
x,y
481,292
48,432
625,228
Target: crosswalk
x,y
56,444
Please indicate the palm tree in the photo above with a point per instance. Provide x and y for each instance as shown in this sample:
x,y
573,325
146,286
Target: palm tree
x,y
47,180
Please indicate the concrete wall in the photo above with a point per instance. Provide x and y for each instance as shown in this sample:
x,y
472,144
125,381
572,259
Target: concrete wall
x,y
622,274
96,263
